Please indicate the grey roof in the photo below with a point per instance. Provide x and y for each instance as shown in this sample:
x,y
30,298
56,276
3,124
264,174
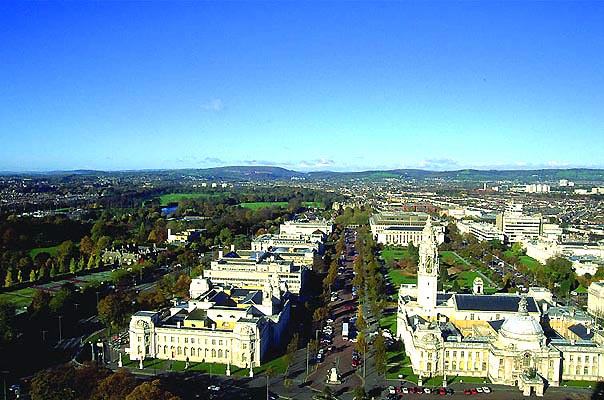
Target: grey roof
x,y
496,324
492,302
253,298
442,298
405,228
581,331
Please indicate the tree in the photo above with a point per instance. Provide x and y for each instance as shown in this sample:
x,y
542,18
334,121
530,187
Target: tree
x,y
8,279
113,310
116,386
360,393
360,322
72,266
361,344
40,302
7,322
54,384
151,391
379,356
181,287
86,245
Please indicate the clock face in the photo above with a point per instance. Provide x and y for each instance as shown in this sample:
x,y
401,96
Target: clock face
x,y
429,269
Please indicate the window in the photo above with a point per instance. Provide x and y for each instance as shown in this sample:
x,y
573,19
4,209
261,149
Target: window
x,y
186,340
244,346
214,341
179,350
447,353
192,340
586,371
171,339
220,342
484,366
462,354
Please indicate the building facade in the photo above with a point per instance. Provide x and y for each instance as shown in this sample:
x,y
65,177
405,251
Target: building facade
x,y
522,341
224,324
401,228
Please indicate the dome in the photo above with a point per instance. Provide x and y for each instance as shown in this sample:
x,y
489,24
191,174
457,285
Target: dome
x,y
521,326
522,331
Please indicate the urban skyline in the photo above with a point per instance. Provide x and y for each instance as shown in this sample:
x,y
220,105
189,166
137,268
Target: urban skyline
x,y
311,86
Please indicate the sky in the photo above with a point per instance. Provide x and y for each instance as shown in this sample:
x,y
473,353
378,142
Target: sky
x,y
308,86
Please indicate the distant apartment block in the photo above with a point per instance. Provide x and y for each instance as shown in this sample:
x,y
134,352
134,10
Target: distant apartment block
x,y
481,230
401,228
518,227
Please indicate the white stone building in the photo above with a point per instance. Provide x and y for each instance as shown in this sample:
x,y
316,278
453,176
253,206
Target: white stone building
x,y
500,337
220,324
401,228
254,269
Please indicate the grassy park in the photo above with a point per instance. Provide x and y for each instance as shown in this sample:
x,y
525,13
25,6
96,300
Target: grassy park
x,y
273,204
50,250
166,199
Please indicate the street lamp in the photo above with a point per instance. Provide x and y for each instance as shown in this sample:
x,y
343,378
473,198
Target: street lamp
x,y
60,333
4,373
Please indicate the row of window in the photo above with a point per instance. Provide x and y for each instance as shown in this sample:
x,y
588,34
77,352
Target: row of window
x,y
462,353
176,339
462,366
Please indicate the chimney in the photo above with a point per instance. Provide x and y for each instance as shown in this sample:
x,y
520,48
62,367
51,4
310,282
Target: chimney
x,y
232,247
220,254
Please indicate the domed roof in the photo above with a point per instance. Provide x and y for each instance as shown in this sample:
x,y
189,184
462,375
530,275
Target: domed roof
x,y
522,325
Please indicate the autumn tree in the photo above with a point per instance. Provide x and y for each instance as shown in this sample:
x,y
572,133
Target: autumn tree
x,y
116,386
151,391
113,310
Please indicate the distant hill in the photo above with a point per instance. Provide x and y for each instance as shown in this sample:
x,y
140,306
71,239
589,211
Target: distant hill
x,y
263,173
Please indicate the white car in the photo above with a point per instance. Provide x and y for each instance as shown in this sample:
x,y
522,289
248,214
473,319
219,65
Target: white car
x,y
214,388
486,389
391,390
479,389
427,390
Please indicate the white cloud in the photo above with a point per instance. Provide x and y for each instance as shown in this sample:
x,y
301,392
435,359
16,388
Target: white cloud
x,y
213,105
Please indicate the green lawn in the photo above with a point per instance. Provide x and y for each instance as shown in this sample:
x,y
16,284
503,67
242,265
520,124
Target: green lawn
x,y
529,262
389,322
278,365
397,277
395,254
19,298
50,250
578,383
166,199
275,204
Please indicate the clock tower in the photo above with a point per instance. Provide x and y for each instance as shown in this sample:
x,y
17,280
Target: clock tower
x,y
427,271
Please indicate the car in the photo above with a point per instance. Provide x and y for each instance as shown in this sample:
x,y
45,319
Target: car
x,y
405,390
467,391
486,389
474,391
214,388
329,320
479,390
391,390
441,391
427,390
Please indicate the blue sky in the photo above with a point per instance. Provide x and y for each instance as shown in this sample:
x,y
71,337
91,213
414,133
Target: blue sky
x,y
342,86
